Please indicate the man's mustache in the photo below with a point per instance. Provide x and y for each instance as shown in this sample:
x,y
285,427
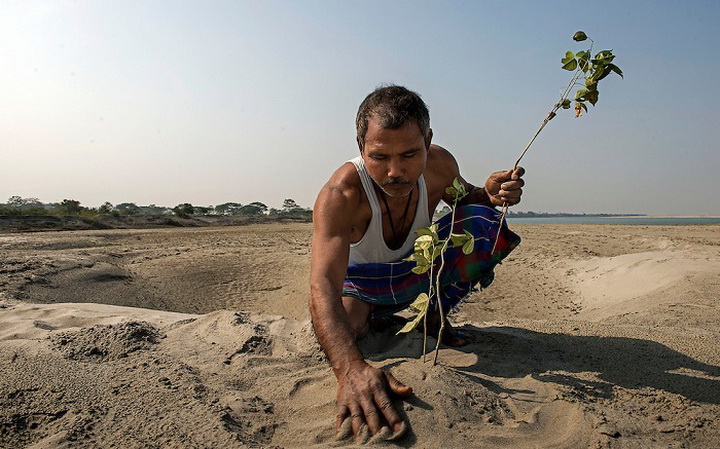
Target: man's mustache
x,y
396,181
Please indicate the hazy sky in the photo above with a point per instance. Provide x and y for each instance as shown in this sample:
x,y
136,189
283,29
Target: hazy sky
x,y
207,102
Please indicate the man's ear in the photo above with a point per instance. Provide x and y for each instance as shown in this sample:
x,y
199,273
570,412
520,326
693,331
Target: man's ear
x,y
428,139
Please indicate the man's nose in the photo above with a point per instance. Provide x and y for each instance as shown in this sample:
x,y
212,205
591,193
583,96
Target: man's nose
x,y
395,169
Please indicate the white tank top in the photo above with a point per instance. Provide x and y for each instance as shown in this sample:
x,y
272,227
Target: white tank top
x,y
372,247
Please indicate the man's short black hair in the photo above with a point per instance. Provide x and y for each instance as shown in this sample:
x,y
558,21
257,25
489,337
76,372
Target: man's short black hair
x,y
395,106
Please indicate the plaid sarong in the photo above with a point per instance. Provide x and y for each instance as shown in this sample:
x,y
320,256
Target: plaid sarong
x,y
393,286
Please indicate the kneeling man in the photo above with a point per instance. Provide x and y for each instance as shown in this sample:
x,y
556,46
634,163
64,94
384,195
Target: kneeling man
x,y
363,222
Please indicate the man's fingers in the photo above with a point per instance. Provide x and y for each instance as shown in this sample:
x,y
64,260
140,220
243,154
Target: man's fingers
x,y
356,414
512,185
343,412
388,410
518,172
501,176
396,386
372,418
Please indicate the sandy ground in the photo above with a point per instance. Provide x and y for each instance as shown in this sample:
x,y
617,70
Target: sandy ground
x,y
590,336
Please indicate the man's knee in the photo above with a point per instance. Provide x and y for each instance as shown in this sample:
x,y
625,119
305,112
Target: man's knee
x,y
357,313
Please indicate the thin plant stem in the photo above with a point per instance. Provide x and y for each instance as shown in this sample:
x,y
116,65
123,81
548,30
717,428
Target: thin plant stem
x,y
550,115
437,282
426,310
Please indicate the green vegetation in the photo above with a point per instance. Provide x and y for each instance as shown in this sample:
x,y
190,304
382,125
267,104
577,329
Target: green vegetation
x,y
17,206
428,247
587,73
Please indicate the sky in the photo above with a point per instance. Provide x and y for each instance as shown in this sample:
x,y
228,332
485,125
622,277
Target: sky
x,y
205,102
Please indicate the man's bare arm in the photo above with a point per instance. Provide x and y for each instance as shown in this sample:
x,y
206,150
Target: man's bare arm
x,y
500,188
330,252
362,389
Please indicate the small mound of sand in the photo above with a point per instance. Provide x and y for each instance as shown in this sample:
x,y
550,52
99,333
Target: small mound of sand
x,y
109,342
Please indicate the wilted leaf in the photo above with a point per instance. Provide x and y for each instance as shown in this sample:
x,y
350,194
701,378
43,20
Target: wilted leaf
x,y
421,302
579,36
579,107
565,104
421,305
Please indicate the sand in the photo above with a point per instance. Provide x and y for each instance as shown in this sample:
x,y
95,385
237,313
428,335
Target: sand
x,y
590,337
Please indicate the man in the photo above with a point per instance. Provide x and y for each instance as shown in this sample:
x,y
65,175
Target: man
x,y
366,214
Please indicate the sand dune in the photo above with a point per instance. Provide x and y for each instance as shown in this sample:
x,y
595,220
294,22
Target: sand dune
x,y
591,336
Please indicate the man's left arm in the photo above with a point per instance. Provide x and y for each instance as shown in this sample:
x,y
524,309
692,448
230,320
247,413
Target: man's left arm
x,y
502,187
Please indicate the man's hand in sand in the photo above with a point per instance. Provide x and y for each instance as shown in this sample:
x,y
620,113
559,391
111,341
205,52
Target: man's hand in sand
x,y
505,187
364,397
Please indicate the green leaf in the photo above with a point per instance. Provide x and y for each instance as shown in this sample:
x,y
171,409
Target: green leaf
x,y
458,239
459,186
580,94
579,36
569,56
571,65
424,231
616,69
411,258
451,191
424,242
427,254
419,258
581,54
597,73
468,246
592,97
603,57
565,104
420,269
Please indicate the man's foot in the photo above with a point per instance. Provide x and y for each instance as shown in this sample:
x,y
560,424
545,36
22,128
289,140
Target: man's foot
x,y
451,336
385,322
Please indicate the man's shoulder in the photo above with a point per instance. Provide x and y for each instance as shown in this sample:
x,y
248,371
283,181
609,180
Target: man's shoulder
x,y
343,189
345,179
439,157
442,167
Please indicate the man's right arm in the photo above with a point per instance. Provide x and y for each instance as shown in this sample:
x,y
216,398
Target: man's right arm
x,y
362,389
330,252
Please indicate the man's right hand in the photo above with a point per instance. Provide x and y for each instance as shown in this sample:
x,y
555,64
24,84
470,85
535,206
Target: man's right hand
x,y
363,395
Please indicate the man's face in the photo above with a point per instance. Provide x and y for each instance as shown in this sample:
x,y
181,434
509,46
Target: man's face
x,y
395,158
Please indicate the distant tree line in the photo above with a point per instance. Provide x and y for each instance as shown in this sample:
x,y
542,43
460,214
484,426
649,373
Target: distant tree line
x,y
18,206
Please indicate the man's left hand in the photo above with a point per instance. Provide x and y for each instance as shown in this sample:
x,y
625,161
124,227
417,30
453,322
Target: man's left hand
x,y
505,187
